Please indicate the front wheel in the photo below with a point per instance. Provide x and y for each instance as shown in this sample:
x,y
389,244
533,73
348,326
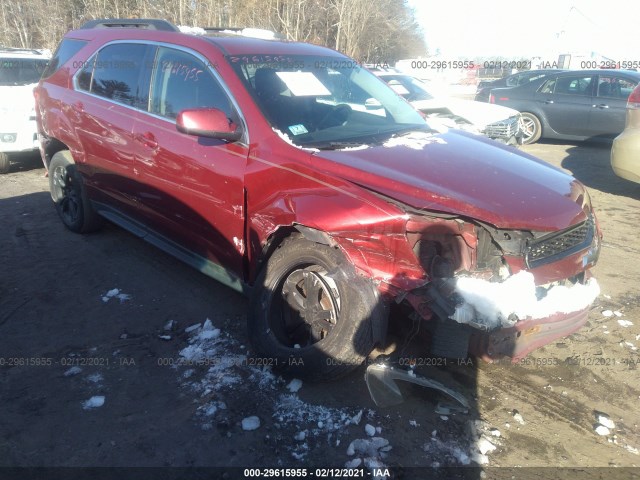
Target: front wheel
x,y
5,164
531,128
68,194
311,314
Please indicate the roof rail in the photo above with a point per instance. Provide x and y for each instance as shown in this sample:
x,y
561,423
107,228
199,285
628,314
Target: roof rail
x,y
143,23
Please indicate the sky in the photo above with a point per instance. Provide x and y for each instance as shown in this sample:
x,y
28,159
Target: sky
x,y
516,28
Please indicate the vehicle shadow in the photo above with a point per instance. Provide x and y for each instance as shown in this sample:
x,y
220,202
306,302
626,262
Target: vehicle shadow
x,y
590,163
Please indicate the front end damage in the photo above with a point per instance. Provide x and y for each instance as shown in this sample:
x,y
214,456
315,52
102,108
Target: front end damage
x,y
497,293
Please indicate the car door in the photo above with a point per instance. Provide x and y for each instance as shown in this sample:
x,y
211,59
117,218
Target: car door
x,y
609,106
566,102
191,188
113,85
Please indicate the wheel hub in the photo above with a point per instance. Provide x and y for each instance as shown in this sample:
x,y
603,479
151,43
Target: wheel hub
x,y
311,306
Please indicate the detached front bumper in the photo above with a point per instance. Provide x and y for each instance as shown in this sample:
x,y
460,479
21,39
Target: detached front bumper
x,y
525,336
438,303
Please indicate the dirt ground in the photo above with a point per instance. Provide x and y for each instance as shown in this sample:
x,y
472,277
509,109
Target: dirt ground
x,y
69,341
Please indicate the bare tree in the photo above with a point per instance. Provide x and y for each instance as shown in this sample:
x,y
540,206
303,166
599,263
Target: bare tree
x,y
369,31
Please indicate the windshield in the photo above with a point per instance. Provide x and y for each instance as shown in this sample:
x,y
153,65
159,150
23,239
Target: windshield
x,y
410,88
324,102
21,71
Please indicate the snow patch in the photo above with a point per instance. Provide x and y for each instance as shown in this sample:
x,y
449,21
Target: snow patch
x,y
294,385
625,323
605,421
94,402
485,446
192,328
95,378
210,409
414,140
518,417
376,447
354,463
631,449
250,423
115,293
602,430
192,30
501,304
72,371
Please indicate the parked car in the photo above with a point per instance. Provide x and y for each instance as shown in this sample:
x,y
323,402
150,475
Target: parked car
x,y
484,87
496,122
571,105
20,70
249,160
625,152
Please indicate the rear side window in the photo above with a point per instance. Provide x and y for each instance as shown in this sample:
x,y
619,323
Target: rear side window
x,y
67,49
577,85
119,72
615,87
181,81
548,86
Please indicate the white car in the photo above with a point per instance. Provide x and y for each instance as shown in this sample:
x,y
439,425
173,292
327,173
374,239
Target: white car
x,y
495,121
20,71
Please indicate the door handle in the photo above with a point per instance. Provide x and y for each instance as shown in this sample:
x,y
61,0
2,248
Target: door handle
x,y
602,105
147,139
548,102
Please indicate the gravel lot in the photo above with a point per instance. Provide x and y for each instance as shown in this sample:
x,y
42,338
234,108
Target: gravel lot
x,y
87,379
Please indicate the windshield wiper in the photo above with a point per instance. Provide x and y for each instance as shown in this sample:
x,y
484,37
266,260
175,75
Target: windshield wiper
x,y
334,145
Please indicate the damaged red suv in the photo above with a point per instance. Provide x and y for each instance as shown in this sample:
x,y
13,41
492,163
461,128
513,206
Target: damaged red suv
x,y
292,174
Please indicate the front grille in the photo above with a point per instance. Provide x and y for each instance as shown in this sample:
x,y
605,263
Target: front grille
x,y
504,129
551,247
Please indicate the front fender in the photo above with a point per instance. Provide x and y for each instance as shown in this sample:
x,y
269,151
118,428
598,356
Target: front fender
x,y
370,232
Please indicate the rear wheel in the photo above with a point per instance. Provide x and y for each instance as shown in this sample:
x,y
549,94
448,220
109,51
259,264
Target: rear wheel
x,y
311,313
68,194
531,128
5,164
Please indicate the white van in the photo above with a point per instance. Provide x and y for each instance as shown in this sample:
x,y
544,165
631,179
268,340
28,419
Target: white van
x,y
20,71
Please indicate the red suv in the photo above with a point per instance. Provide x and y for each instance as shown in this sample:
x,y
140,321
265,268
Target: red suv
x,y
291,173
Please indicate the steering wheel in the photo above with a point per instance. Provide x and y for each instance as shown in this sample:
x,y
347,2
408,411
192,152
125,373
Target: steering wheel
x,y
338,115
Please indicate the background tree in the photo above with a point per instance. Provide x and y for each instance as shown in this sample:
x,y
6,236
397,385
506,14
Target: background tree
x,y
380,31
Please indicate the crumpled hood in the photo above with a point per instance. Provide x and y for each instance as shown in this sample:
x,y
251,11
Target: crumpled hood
x,y
479,114
459,173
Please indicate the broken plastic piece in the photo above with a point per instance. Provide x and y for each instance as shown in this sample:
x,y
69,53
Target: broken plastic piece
x,y
449,409
381,382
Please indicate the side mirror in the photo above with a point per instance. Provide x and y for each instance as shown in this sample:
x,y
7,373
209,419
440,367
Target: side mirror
x,y
372,104
208,122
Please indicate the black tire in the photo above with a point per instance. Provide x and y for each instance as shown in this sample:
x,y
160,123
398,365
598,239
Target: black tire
x,y
5,164
531,127
69,196
344,305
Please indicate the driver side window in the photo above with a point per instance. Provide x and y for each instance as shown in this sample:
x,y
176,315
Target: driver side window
x,y
181,81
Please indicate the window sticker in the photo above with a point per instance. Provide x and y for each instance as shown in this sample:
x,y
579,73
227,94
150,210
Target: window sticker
x,y
303,83
298,129
399,89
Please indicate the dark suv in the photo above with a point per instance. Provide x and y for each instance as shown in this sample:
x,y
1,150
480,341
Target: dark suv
x,y
289,172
